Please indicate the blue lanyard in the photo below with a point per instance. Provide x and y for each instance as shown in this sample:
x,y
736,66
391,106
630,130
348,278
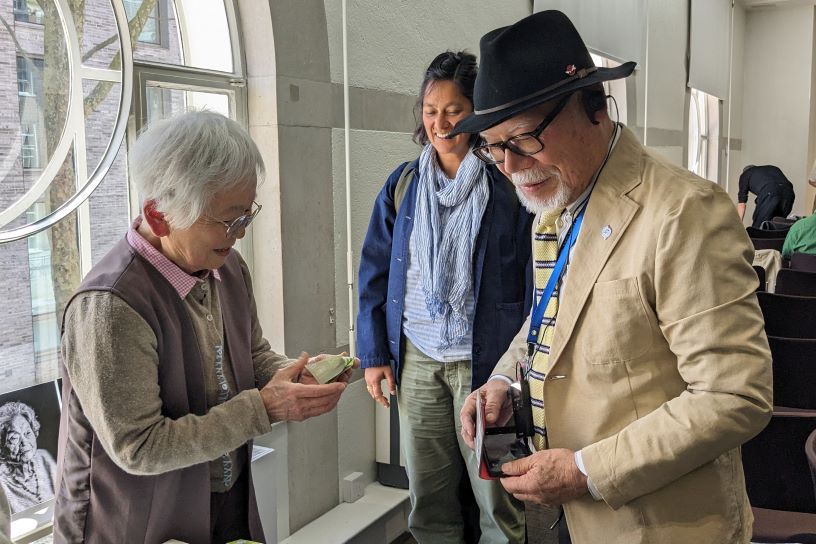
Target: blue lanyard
x,y
541,306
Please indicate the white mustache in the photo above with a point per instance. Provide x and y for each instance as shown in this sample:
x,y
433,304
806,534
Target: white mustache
x,y
534,175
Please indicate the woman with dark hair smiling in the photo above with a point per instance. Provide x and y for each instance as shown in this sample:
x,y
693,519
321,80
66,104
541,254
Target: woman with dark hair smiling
x,y
445,284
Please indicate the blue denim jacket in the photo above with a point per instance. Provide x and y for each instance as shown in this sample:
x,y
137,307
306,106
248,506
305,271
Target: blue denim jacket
x,y
502,276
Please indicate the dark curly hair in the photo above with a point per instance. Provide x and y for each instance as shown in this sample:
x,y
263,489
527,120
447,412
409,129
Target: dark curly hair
x,y
458,67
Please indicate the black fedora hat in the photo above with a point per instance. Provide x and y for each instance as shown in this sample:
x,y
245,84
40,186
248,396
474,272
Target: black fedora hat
x,y
539,58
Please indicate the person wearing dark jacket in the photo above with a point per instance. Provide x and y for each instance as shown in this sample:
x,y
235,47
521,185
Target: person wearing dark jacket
x,y
445,280
774,193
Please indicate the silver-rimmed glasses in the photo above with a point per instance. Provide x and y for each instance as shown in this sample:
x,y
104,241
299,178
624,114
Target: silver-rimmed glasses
x,y
240,222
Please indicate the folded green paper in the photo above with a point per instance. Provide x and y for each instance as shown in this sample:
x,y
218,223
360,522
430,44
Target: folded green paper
x,y
330,368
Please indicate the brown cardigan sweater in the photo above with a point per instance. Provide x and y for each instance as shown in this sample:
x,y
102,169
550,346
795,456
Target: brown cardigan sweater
x,y
133,464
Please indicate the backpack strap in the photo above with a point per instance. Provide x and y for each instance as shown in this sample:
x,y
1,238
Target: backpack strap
x,y
406,176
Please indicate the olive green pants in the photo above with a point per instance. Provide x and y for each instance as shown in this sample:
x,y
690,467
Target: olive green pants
x,y
430,397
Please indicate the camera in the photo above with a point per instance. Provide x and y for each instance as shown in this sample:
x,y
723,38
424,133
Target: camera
x,y
519,395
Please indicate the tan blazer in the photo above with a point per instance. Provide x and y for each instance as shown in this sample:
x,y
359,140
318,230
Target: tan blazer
x,y
660,366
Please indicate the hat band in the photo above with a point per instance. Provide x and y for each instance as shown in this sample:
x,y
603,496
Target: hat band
x,y
580,74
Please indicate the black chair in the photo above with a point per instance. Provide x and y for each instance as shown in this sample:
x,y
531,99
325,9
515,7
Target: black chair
x,y
781,526
768,243
803,261
796,282
773,226
778,480
794,372
765,233
788,316
810,453
760,272
777,473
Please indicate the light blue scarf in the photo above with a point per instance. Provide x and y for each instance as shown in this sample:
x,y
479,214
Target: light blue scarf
x,y
447,221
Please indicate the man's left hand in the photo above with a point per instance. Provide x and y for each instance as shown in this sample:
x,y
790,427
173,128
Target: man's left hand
x,y
548,477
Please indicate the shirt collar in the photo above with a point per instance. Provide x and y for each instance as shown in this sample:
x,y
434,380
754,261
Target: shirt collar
x,y
181,281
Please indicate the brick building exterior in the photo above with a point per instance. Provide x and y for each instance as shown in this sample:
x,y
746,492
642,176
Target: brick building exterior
x,y
28,324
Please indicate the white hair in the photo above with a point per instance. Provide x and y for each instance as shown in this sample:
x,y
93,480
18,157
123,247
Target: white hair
x,y
182,162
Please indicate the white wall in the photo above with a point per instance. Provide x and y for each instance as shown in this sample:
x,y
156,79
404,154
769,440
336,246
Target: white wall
x,y
391,43
389,46
735,155
666,73
776,93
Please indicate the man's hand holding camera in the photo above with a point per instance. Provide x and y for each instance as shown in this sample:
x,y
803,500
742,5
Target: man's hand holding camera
x,y
549,477
497,407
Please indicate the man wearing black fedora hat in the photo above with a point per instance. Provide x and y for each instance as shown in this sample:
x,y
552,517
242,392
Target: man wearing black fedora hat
x,y
645,353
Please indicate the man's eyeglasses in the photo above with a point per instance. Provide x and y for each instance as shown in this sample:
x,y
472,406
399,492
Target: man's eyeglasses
x,y
525,144
241,222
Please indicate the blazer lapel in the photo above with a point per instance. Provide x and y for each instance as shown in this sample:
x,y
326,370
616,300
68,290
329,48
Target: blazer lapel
x,y
609,212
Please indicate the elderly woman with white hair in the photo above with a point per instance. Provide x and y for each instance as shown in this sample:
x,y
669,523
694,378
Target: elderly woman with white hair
x,y
167,375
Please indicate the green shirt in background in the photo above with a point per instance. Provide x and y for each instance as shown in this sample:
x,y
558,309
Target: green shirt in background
x,y
801,237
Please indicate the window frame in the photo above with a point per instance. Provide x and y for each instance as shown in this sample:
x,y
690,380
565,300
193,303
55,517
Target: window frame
x,y
151,74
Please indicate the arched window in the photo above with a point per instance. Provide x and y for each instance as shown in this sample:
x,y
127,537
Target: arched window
x,y
75,93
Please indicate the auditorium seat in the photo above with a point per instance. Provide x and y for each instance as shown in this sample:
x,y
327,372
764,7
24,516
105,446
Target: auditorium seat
x,y
794,372
765,233
788,316
768,243
777,473
803,261
796,282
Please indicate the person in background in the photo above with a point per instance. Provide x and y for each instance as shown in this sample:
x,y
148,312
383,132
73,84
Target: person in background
x,y
647,366
444,278
167,377
801,237
774,193
26,472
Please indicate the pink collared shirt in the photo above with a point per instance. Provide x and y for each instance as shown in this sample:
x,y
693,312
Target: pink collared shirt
x,y
181,281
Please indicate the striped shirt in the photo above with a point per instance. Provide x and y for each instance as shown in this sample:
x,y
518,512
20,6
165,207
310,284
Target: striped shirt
x,y
417,324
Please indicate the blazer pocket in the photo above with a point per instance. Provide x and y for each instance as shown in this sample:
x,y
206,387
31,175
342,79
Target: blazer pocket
x,y
615,326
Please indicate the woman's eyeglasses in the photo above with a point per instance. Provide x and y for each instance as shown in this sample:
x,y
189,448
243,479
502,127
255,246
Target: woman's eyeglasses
x,y
241,222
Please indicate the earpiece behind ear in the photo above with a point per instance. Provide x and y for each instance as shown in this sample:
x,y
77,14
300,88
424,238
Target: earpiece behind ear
x,y
593,103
